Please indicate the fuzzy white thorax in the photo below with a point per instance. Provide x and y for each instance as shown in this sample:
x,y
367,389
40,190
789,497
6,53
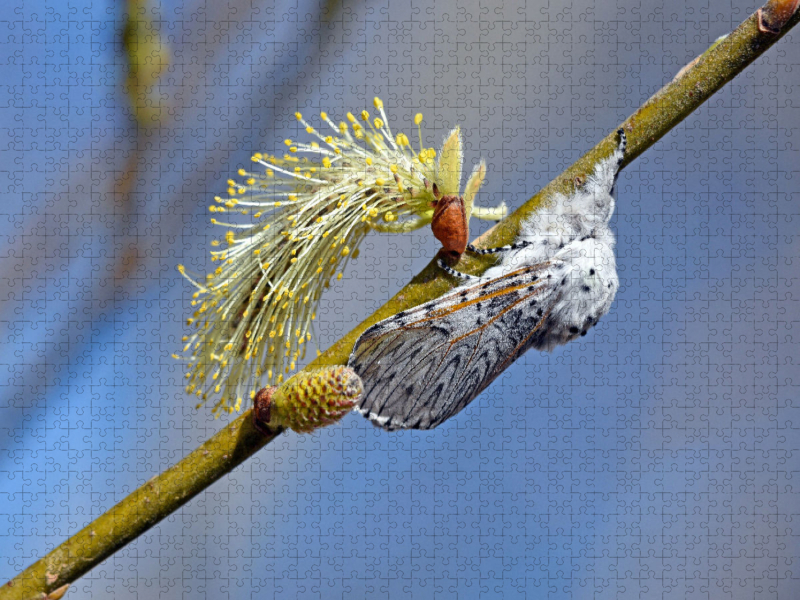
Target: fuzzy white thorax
x,y
572,233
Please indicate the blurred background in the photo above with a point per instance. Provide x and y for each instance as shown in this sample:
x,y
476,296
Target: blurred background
x,y
654,458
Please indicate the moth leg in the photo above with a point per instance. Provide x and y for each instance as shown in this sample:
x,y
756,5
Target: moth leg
x,y
453,272
608,169
623,144
514,246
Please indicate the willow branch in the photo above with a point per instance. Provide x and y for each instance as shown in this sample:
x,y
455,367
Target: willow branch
x,y
653,120
239,440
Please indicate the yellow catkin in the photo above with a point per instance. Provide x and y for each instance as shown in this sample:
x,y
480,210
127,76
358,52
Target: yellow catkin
x,y
325,194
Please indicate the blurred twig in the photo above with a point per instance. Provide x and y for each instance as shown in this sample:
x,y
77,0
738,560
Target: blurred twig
x,y
148,57
166,493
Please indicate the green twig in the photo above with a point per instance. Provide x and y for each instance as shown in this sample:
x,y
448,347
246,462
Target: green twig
x,y
239,440
139,511
652,121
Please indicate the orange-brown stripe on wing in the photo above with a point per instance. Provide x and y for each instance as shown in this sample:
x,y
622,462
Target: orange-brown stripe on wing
x,y
442,312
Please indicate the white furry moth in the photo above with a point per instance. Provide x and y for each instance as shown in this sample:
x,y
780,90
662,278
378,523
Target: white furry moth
x,y
424,365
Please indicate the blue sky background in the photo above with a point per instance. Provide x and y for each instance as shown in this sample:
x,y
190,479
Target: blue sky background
x,y
654,458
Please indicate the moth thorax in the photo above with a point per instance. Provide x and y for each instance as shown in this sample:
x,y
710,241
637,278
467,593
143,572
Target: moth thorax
x,y
449,225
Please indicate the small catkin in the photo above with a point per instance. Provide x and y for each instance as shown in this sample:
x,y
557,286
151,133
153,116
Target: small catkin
x,y
309,400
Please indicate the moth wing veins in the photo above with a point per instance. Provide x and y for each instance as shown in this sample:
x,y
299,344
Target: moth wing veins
x,y
426,364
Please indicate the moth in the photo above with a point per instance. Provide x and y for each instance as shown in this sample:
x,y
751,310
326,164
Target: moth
x,y
424,365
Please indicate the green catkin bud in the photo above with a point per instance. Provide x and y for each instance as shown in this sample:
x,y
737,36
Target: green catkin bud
x,y
309,400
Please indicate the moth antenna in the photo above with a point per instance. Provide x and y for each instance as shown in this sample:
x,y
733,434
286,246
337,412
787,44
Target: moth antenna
x,y
453,272
514,246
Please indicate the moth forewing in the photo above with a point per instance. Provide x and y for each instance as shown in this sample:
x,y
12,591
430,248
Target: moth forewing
x,y
424,365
